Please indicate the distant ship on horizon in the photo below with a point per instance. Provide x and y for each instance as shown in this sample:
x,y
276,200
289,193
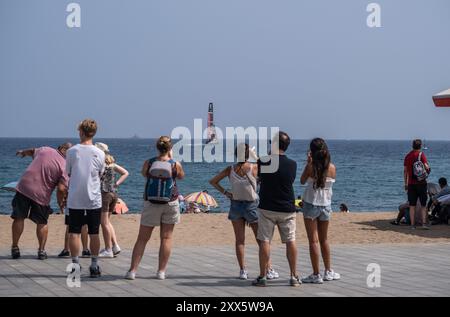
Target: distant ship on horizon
x,y
136,137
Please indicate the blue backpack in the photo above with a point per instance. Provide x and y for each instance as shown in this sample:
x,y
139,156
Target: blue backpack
x,y
160,181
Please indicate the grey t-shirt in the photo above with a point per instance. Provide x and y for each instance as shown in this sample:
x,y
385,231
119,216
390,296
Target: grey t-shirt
x,y
85,165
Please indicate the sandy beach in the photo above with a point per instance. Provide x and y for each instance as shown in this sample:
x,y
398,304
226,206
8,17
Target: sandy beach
x,y
216,230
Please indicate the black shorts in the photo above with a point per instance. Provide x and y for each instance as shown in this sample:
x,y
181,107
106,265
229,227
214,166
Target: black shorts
x,y
417,192
23,207
79,218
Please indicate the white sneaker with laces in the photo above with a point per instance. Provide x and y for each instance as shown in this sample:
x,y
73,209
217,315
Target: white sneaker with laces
x,y
272,274
161,276
313,279
106,254
116,250
130,276
243,275
331,276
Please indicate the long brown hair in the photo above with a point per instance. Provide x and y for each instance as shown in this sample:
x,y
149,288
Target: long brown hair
x,y
321,159
242,153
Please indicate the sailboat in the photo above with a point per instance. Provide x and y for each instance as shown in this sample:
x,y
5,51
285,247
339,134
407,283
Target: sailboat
x,y
212,135
442,99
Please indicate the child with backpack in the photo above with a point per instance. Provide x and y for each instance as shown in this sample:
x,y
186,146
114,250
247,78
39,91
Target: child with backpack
x,y
161,206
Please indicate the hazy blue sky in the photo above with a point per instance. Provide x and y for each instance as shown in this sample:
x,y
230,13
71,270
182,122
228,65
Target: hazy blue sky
x,y
312,67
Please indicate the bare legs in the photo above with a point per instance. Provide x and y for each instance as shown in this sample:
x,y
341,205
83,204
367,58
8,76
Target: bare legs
x,y
145,233
412,215
84,239
17,231
318,243
94,244
74,244
144,236
291,254
42,234
423,215
165,247
264,257
239,232
109,234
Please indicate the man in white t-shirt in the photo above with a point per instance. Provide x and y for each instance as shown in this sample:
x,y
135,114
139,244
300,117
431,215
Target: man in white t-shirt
x,y
85,166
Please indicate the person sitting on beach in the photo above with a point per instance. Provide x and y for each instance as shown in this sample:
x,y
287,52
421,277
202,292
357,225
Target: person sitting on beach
x,y
109,200
319,175
244,202
277,208
344,208
161,206
403,209
34,191
440,212
85,166
416,171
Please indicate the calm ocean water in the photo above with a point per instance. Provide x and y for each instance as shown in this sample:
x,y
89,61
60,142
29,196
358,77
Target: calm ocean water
x,y
370,173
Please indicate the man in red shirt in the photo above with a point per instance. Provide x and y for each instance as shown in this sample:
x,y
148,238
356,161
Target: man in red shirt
x,y
417,189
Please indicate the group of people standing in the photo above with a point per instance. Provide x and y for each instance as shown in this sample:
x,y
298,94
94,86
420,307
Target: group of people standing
x,y
274,206
86,178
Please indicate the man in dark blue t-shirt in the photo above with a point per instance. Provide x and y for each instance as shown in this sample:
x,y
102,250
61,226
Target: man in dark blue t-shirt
x,y
277,206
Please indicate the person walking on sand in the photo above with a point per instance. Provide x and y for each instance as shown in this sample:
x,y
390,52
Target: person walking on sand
x,y
319,175
277,208
161,206
109,200
244,202
34,191
416,171
85,166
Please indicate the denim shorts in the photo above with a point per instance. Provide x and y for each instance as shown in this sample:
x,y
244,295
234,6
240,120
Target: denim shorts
x,y
247,210
323,213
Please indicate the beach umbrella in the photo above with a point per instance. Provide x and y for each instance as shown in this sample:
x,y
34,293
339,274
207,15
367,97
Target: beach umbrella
x,y
202,198
11,187
442,99
121,207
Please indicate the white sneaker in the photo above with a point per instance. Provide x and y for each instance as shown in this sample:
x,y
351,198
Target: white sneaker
x,y
116,250
243,275
331,276
313,279
272,274
130,276
161,276
106,254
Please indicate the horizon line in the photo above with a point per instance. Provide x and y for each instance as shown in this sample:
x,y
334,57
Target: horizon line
x,y
153,138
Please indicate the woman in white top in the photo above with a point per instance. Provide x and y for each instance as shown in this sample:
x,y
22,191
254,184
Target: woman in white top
x,y
244,202
319,176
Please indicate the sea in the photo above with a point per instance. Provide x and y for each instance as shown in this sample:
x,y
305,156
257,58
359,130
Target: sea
x,y
369,173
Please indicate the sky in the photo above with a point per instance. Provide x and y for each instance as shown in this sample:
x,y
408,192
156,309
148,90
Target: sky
x,y
312,67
